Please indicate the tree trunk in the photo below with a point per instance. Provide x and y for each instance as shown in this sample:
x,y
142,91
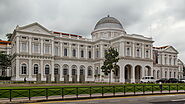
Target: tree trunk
x,y
109,77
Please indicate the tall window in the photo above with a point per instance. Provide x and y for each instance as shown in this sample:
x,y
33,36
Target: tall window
x,y
147,54
47,69
170,74
89,54
36,48
138,53
97,53
128,51
65,71
23,69
82,70
56,51
74,72
56,69
74,52
65,51
174,74
36,69
47,49
24,47
82,53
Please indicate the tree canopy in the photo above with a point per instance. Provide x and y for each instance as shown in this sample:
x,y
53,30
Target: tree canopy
x,y
9,35
110,63
5,61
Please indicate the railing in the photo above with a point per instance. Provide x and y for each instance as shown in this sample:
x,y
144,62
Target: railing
x,y
90,91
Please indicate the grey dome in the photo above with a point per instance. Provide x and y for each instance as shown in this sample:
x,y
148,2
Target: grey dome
x,y
108,23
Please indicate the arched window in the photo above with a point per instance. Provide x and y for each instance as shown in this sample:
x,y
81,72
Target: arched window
x,y
74,70
23,69
82,70
36,69
170,74
74,52
82,53
65,70
65,51
56,69
46,69
89,71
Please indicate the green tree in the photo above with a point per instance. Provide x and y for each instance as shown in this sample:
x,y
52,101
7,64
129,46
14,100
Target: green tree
x,y
110,63
9,35
5,61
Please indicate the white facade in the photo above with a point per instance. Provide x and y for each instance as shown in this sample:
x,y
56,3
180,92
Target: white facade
x,y
38,50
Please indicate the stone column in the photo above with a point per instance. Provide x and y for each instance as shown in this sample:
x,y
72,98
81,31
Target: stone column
x,y
93,52
17,69
70,49
143,72
133,75
52,48
17,45
133,50
41,46
143,51
86,53
78,51
61,50
41,71
151,52
122,74
52,70
30,69
30,46
101,51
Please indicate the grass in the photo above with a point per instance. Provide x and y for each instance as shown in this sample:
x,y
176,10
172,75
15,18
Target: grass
x,y
83,89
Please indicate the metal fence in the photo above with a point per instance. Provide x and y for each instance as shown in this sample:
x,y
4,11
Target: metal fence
x,y
100,91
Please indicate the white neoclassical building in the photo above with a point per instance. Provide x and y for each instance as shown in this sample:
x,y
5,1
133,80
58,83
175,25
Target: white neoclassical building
x,y
37,50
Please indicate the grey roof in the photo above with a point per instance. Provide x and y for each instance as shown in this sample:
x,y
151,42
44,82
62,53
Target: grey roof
x,y
108,23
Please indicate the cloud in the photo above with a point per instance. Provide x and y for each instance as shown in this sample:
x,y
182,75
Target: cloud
x,y
164,20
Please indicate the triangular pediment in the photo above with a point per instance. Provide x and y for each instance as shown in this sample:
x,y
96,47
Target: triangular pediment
x,y
35,28
171,50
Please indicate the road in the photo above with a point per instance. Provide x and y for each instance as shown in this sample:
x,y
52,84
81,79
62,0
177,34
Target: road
x,y
150,99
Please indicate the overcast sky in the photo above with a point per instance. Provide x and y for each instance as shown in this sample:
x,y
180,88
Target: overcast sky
x,y
163,20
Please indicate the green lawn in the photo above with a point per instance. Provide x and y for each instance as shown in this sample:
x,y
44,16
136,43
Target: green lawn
x,y
33,91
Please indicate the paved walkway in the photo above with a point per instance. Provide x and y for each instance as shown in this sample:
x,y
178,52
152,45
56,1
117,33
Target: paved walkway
x,y
83,96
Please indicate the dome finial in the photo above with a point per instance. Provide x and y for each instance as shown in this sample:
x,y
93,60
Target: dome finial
x,y
108,15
